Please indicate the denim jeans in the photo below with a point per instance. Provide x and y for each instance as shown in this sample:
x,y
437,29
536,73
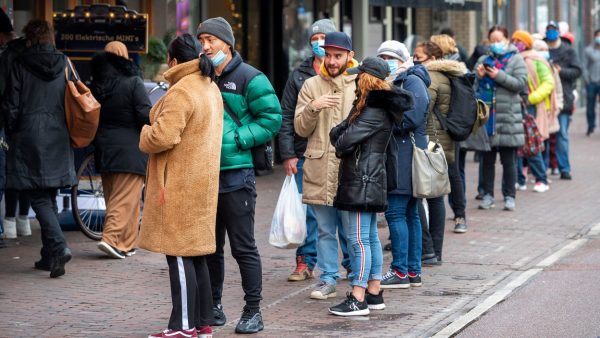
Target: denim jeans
x,y
309,248
363,238
562,143
536,166
329,220
43,202
593,90
508,157
405,232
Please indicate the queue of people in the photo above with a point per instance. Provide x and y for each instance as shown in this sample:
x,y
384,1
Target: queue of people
x,y
347,132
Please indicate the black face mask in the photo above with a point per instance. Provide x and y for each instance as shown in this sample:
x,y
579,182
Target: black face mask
x,y
417,62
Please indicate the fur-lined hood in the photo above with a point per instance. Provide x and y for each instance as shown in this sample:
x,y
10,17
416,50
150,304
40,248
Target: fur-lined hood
x,y
395,101
450,67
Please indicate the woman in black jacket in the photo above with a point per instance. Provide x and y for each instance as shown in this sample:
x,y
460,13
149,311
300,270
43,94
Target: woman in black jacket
x,y
361,142
40,158
118,86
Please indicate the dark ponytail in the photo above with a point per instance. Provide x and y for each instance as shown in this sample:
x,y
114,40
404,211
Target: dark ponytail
x,y
186,48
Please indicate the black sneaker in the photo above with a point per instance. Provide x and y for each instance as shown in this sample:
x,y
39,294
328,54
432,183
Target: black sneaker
x,y
415,279
433,261
219,315
57,264
460,225
250,322
395,280
350,307
427,256
2,244
565,176
42,264
375,302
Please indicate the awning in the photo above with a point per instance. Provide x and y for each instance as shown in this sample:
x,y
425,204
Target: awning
x,y
457,5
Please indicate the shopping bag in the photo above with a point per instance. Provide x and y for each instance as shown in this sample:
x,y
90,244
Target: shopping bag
x,y
288,227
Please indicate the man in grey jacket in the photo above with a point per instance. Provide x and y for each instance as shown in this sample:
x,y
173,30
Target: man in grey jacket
x,y
591,64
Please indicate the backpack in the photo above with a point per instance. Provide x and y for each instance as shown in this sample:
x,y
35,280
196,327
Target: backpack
x,y
465,112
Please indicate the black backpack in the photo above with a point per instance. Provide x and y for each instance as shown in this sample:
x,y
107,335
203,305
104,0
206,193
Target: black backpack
x,y
463,109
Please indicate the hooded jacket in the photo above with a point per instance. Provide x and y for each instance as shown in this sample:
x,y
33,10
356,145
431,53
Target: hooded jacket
x,y
399,162
362,146
440,92
321,166
570,70
118,86
40,154
291,144
7,57
510,81
182,186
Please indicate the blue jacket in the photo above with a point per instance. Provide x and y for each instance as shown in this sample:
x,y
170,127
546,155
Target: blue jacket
x,y
416,80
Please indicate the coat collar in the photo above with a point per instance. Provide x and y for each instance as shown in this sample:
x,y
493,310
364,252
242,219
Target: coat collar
x,y
454,68
182,70
351,64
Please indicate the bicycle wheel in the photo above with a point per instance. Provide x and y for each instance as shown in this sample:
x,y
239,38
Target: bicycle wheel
x,y
87,200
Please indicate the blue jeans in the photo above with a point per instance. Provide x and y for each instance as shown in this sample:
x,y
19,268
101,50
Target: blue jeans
x,y
562,143
536,166
329,221
309,248
367,256
593,90
405,232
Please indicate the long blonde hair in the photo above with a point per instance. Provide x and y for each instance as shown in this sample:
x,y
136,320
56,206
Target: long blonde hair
x,y
446,43
367,83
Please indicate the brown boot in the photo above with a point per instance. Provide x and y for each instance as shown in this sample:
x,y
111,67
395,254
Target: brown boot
x,y
302,271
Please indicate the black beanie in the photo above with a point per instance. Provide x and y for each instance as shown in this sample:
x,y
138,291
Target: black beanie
x,y
218,27
5,24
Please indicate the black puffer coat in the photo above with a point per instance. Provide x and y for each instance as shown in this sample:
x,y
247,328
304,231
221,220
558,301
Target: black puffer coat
x,y
40,154
362,147
118,86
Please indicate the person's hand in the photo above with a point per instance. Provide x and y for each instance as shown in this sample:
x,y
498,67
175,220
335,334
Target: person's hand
x,y
480,70
557,67
492,72
290,166
327,101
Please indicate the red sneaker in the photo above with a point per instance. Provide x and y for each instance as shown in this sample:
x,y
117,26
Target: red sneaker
x,y
191,333
301,272
205,332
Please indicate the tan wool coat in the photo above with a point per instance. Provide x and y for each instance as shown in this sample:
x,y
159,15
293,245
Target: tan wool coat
x,y
321,166
182,180
440,93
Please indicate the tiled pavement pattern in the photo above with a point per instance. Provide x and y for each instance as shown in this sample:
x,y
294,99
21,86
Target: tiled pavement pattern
x,y
101,297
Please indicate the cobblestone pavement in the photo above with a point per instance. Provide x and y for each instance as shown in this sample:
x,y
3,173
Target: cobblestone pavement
x,y
101,297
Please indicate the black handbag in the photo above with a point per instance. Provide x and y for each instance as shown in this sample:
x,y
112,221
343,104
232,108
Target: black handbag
x,y
262,155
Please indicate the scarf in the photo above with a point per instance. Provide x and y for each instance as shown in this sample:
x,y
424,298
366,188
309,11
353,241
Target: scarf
x,y
486,90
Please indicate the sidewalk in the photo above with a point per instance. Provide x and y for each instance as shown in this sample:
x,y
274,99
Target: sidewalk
x,y
101,297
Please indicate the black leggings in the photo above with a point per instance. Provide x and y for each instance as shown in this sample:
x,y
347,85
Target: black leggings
x,y
11,199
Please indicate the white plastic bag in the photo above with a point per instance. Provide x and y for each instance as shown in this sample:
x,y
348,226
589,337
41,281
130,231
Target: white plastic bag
x,y
288,227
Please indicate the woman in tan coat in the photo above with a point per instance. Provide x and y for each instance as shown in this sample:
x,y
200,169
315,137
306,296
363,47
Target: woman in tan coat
x,y
184,143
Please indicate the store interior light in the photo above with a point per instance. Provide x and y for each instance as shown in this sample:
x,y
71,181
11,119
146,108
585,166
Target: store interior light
x,y
112,15
87,14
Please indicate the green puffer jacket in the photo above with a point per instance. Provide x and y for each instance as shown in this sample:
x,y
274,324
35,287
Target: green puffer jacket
x,y
251,97
440,93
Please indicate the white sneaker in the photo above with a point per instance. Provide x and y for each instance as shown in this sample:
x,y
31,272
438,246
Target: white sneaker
x,y
23,226
10,228
541,187
521,187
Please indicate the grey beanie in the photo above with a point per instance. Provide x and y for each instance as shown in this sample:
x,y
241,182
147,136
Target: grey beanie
x,y
322,26
218,27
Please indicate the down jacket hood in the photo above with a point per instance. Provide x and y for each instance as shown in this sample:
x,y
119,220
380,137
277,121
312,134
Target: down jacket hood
x,y
395,101
449,67
43,61
105,65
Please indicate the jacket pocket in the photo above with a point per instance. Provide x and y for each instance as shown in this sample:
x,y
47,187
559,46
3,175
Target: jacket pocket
x,y
314,153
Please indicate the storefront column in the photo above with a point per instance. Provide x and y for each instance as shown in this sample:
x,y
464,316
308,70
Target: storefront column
x,y
360,26
43,10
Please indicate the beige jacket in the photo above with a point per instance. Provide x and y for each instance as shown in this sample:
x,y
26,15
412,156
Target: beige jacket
x,y
182,180
321,167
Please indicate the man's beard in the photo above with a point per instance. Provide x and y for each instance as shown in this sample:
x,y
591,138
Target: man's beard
x,y
341,70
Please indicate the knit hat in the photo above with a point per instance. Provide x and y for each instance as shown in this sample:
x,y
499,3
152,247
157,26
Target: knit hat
x,y
394,49
117,48
540,45
524,37
322,26
5,24
218,27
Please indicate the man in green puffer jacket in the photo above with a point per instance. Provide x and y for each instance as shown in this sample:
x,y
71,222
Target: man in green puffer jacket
x,y
248,94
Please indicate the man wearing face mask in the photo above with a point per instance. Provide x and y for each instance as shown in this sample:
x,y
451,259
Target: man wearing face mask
x,y
325,101
247,94
591,64
292,146
565,59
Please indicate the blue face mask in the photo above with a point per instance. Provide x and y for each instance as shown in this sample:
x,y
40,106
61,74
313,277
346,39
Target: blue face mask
x,y
393,64
317,50
218,59
545,54
498,48
597,40
552,35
